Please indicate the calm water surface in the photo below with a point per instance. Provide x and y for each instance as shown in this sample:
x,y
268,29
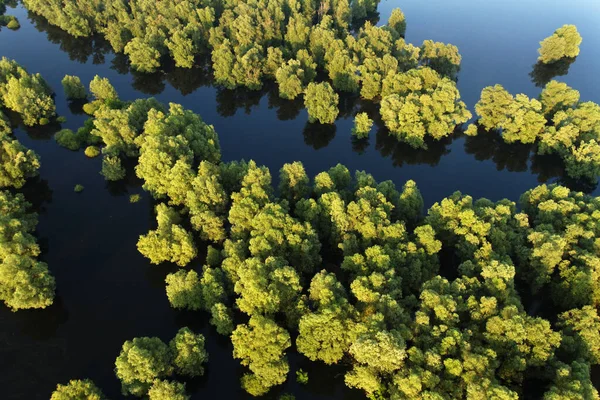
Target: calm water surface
x,y
108,293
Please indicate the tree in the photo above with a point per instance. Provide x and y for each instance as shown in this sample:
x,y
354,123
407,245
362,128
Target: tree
x,y
141,361
101,89
321,103
18,163
112,170
261,345
189,355
362,125
558,96
293,182
166,390
564,42
397,22
77,390
74,89
443,58
580,329
169,242
142,55
184,290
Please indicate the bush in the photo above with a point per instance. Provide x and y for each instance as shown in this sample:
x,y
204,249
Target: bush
x,y
67,139
13,24
134,198
92,151
78,188
302,377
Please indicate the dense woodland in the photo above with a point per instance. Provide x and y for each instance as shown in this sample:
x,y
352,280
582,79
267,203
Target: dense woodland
x,y
351,271
444,303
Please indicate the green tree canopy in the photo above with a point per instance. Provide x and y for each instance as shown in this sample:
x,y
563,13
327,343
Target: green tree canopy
x,y
27,94
321,102
77,390
564,42
261,345
74,89
141,361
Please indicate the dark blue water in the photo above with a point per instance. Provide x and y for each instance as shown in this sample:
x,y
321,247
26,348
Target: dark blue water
x,y
108,293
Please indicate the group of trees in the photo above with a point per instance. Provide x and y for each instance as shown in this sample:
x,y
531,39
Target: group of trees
x,y
421,306
26,94
145,366
557,122
291,42
25,282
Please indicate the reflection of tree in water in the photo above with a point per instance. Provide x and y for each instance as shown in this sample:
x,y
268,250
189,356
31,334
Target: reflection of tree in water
x,y
515,157
123,186
79,49
187,80
152,84
37,191
401,153
490,146
229,101
543,73
36,132
76,106
550,168
347,105
286,109
318,135
359,145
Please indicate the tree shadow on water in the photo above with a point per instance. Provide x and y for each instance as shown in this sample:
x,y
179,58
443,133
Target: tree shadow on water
x,y
402,153
490,146
318,135
544,73
518,157
79,49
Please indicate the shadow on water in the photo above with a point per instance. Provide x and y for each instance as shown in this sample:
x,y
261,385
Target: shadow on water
x,y
544,73
519,157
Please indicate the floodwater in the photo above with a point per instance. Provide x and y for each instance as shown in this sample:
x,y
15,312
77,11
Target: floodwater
x,y
108,293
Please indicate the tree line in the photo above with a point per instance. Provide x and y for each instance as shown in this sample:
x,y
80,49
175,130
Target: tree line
x,y
310,48
25,282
